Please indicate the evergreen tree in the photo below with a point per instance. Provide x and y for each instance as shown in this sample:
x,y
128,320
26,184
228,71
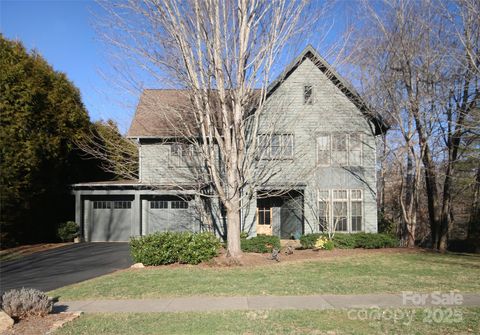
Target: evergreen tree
x,y
42,116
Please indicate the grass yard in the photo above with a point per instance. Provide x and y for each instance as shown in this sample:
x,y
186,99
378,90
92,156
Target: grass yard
x,y
367,273
277,322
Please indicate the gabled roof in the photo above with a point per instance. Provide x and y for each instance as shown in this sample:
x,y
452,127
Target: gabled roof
x,y
157,114
309,52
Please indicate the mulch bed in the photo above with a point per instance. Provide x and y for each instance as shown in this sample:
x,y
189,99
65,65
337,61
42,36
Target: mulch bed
x,y
299,255
40,325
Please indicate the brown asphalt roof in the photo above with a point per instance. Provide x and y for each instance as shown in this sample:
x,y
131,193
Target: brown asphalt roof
x,y
158,115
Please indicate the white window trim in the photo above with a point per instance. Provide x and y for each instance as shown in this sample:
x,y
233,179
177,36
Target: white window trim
x,y
330,149
360,135
180,160
329,163
267,155
311,101
330,200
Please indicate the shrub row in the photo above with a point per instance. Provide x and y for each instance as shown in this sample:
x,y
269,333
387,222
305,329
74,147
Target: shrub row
x,y
350,241
260,244
171,247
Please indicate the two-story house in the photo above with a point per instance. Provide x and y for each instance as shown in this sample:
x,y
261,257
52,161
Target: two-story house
x,y
324,149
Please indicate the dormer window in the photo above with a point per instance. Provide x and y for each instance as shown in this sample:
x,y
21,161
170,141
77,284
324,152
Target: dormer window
x,y
307,94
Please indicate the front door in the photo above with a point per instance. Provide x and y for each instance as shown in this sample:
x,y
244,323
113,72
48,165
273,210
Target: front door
x,y
264,220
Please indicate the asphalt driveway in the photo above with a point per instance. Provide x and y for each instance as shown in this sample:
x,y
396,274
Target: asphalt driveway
x,y
48,270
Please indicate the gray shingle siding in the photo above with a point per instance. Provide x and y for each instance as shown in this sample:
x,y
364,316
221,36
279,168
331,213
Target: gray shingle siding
x,y
331,111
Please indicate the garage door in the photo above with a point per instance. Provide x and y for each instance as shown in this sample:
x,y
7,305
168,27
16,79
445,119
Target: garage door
x,y
170,214
111,220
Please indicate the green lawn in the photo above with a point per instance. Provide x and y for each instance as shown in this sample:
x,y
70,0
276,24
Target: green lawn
x,y
368,273
279,322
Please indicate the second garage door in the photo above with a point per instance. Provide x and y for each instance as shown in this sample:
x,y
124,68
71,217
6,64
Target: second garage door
x,y
170,214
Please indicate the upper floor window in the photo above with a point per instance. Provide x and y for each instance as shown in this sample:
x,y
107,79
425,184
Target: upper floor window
x,y
276,146
339,149
307,94
181,154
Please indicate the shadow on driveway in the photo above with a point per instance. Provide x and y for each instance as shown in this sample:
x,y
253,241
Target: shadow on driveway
x,y
49,270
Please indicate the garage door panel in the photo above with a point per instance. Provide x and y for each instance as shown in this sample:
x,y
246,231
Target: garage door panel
x,y
111,221
162,217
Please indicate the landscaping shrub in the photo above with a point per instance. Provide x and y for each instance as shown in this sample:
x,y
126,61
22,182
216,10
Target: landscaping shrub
x,y
244,235
324,243
350,241
329,245
26,302
374,241
308,241
260,244
170,247
201,247
68,231
345,241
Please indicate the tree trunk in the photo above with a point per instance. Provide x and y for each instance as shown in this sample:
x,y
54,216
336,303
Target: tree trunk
x,y
411,233
233,228
474,229
233,206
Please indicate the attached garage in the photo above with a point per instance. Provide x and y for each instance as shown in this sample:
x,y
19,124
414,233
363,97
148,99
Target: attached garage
x,y
111,219
115,211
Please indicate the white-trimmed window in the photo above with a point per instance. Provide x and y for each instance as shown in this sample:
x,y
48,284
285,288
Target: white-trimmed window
x,y
355,150
341,210
323,149
181,154
308,94
339,149
323,209
356,212
276,146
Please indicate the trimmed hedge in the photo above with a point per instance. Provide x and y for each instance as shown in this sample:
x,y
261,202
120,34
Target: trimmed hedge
x,y
345,241
375,241
261,244
351,241
171,247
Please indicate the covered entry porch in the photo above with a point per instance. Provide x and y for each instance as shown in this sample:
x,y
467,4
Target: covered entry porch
x,y
281,214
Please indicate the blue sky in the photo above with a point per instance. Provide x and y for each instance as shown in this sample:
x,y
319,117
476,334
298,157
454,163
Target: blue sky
x,y
63,33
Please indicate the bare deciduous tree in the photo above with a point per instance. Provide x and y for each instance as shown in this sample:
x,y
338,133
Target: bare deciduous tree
x,y
221,54
420,62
